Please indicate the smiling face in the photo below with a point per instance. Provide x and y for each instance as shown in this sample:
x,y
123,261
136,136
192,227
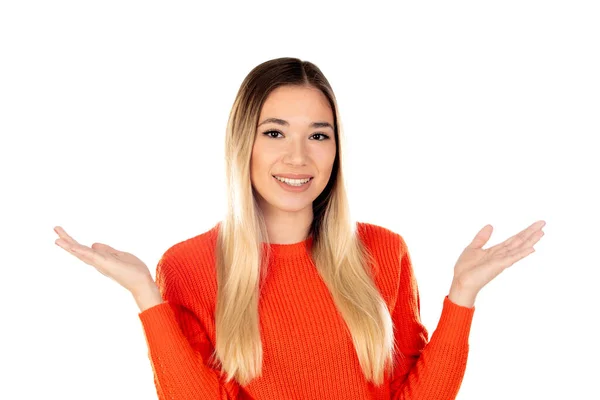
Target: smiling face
x,y
294,136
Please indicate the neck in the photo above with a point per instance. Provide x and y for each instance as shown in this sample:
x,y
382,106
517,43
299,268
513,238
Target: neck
x,y
285,227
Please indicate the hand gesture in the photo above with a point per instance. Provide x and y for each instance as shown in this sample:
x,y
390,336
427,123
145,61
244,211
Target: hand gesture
x,y
122,267
476,267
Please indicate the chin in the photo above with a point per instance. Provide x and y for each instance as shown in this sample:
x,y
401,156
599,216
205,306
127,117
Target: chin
x,y
290,206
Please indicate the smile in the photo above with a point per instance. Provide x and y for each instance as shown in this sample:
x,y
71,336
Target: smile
x,y
292,182
293,185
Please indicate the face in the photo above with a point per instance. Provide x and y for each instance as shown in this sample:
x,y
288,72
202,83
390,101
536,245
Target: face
x,y
295,136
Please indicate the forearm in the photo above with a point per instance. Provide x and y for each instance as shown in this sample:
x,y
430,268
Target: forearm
x,y
434,370
178,344
178,367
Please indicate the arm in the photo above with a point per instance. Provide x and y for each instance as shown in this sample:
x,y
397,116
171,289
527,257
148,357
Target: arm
x,y
434,369
178,346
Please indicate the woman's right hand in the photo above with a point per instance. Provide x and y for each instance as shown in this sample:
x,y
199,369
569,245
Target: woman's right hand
x,y
122,267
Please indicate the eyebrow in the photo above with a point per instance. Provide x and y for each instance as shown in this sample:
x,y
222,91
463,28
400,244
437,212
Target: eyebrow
x,y
285,123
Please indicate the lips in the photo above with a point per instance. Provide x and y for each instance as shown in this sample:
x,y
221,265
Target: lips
x,y
293,188
293,176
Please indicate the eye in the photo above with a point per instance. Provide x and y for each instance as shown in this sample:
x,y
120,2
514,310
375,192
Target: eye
x,y
271,132
268,133
325,137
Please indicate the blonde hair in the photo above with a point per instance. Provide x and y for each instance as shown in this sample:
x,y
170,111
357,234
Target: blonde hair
x,y
339,256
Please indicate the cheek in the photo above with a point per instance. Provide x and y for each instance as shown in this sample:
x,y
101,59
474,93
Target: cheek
x,y
260,160
325,158
254,165
258,154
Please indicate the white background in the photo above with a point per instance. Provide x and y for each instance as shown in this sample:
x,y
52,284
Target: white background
x,y
456,114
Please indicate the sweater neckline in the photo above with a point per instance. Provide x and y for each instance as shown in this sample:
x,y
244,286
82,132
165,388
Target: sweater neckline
x,y
283,250
290,249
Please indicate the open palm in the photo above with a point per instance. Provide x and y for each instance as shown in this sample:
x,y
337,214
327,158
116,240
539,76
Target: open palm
x,y
476,266
122,267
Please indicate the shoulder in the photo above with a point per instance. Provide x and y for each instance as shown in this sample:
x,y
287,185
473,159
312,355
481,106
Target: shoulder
x,y
201,245
191,259
387,249
381,238
187,268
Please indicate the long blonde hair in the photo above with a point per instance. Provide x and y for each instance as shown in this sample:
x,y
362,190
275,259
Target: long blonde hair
x,y
339,256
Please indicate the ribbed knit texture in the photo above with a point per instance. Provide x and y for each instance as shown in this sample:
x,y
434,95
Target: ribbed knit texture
x,y
308,350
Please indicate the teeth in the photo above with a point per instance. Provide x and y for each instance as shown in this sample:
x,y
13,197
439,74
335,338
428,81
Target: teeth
x,y
293,182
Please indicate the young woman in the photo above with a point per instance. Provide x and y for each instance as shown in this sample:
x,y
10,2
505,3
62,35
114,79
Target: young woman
x,y
285,298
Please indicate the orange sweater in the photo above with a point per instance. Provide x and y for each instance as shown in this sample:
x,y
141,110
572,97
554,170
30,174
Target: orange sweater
x,y
308,353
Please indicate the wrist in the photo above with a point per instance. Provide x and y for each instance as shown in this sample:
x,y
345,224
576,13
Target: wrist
x,y
147,296
462,296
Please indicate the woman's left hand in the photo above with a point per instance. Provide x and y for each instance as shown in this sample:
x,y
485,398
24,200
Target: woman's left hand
x,y
476,267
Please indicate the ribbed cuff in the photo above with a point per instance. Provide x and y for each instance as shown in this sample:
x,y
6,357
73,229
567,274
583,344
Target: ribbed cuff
x,y
455,322
158,315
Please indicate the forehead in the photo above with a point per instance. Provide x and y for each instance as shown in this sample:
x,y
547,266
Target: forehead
x,y
297,102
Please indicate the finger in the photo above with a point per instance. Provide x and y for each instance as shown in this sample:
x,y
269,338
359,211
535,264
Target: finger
x,y
532,239
82,252
525,235
64,235
517,255
64,244
518,239
88,255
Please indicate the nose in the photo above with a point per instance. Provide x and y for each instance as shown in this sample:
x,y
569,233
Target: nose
x,y
296,152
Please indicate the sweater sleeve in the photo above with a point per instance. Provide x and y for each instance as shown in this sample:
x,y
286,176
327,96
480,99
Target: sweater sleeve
x,y
427,369
178,346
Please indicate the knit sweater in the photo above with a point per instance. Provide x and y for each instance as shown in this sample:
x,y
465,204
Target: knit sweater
x,y
308,352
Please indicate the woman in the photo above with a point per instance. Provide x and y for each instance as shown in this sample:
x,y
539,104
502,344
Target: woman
x,y
285,298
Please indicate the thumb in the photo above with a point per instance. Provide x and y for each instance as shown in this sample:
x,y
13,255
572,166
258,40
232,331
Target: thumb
x,y
105,248
482,237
